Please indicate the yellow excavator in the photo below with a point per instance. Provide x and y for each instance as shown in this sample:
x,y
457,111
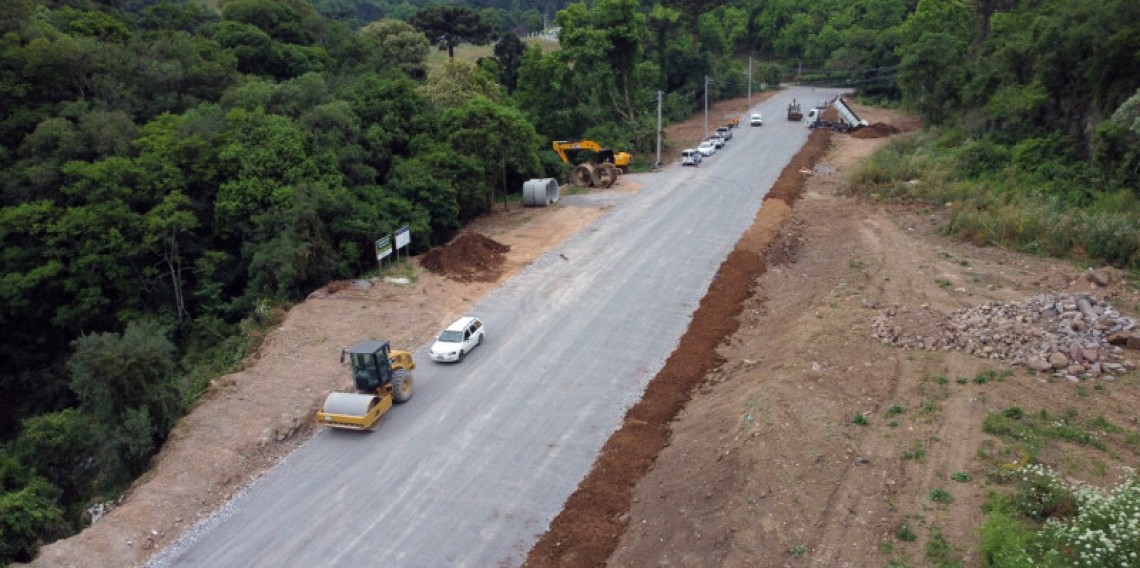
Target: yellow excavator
x,y
381,375
602,173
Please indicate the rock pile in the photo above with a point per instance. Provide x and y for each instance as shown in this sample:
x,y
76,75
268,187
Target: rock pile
x,y
1070,335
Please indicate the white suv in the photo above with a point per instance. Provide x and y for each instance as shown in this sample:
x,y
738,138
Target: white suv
x,y
690,157
455,342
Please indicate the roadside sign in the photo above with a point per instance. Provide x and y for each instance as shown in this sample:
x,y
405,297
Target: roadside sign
x,y
383,247
403,237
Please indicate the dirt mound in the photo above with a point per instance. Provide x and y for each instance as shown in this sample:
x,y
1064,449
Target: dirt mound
x,y
877,130
471,257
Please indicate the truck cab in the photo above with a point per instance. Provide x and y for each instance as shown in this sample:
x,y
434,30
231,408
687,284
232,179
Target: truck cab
x,y
813,116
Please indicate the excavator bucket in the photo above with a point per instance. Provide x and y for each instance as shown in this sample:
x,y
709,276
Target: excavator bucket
x,y
353,411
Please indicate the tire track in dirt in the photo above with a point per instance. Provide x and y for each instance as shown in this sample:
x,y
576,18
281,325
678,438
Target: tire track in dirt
x,y
595,516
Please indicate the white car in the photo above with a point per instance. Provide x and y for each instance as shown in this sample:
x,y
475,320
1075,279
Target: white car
x,y
707,148
724,132
457,340
756,120
717,141
691,157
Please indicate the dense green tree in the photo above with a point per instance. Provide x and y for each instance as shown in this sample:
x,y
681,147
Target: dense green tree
x,y
29,516
499,138
457,82
931,72
508,51
283,20
399,43
127,383
60,448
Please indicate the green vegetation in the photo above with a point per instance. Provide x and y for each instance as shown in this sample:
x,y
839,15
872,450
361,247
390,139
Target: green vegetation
x,y
939,495
916,452
861,419
939,551
1038,151
960,476
905,534
1082,527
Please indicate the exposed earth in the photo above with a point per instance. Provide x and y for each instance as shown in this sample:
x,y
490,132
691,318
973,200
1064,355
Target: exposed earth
x,y
745,450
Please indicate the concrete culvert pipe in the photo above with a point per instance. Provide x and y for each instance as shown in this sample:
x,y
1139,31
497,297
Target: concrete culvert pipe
x,y
540,192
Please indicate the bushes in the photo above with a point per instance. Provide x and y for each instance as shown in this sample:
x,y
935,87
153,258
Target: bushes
x,y
1083,527
1034,196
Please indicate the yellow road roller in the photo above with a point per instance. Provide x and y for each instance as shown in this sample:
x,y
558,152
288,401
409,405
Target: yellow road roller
x,y
382,376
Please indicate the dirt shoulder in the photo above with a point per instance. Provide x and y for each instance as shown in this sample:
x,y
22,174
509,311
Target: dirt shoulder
x,y
768,464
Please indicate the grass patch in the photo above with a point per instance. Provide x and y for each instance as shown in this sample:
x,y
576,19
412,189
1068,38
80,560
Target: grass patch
x,y
940,553
916,452
939,495
905,534
896,409
960,476
861,419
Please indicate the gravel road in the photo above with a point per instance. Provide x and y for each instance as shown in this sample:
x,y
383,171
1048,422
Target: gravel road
x,y
471,471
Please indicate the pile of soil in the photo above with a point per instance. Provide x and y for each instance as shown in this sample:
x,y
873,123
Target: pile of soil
x,y
471,257
877,130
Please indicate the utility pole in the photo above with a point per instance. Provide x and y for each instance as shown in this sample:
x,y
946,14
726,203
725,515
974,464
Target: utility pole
x,y
659,93
749,83
706,106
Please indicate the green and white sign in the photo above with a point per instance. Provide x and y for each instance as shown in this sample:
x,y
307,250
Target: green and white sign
x,y
383,247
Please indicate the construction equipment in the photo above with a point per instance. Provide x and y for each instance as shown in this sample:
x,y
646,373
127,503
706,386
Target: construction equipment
x,y
794,112
381,375
602,173
847,122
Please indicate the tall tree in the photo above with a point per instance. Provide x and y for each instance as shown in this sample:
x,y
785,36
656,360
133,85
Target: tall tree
x,y
509,50
451,25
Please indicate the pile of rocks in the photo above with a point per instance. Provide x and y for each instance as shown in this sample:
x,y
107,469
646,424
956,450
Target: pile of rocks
x,y
1070,335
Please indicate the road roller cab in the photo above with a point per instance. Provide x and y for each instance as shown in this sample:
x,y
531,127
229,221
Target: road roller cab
x,y
381,376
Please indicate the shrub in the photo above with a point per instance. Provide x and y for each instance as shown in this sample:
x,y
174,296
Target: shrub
x,y
1042,494
939,495
1104,532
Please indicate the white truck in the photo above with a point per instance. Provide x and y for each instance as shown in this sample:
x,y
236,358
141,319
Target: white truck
x,y
847,122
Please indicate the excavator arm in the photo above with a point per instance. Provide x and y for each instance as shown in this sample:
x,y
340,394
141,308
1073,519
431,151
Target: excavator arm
x,y
561,146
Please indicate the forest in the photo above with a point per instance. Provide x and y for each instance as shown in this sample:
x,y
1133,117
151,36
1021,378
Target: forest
x,y
176,173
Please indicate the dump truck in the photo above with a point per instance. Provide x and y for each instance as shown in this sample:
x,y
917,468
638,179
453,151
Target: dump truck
x,y
601,173
381,376
847,122
847,115
794,112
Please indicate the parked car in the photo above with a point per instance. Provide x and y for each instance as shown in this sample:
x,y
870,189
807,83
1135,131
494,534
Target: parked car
x,y
707,148
724,132
717,141
691,157
756,120
457,340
